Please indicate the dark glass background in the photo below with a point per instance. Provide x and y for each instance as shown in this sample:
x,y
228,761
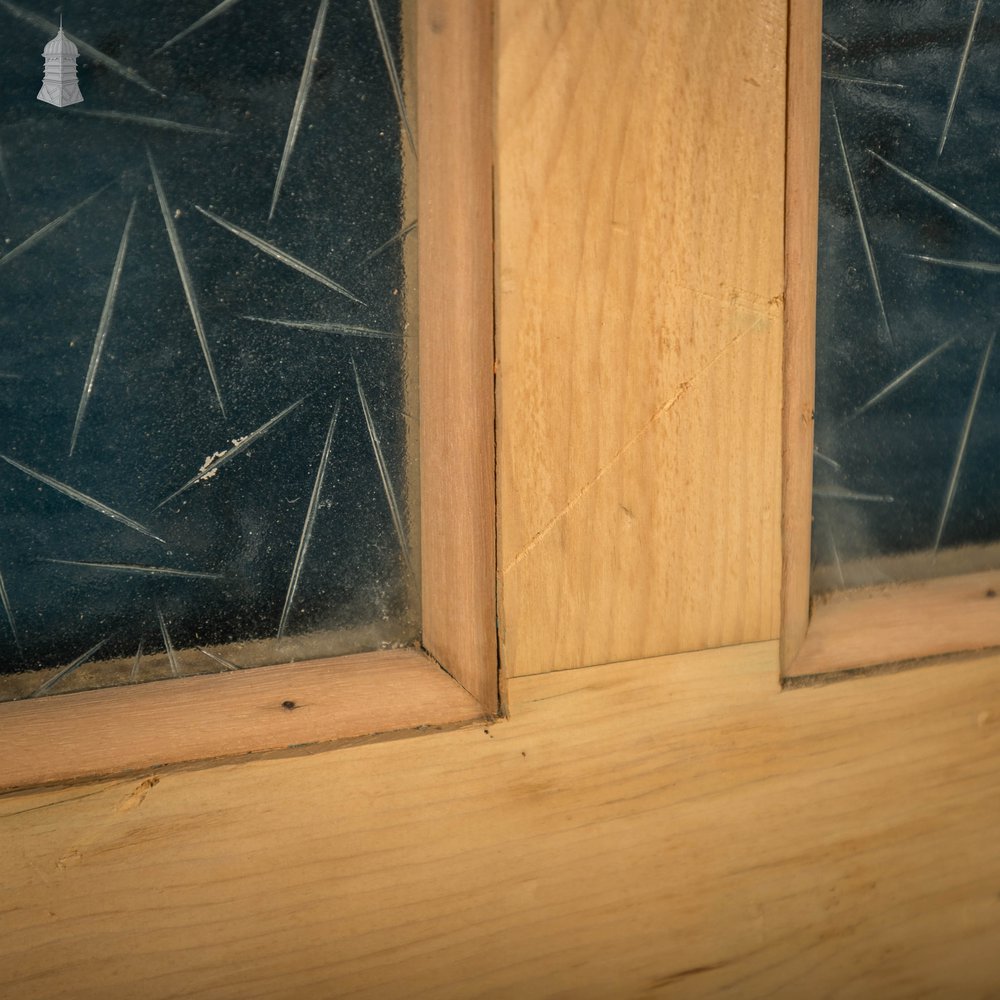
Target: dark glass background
x,y
905,57
153,416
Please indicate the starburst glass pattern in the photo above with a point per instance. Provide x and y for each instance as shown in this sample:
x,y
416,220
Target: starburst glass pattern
x,y
906,483
207,341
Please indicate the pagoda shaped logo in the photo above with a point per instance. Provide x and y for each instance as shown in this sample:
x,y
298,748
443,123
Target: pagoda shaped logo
x,y
59,86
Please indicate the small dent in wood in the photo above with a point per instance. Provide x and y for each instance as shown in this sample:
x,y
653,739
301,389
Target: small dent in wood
x,y
289,705
991,593
137,796
696,970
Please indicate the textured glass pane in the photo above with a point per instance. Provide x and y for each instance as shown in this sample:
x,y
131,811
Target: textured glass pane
x,y
206,339
908,381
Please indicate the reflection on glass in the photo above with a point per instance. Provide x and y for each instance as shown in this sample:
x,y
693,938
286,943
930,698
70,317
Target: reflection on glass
x,y
206,339
906,483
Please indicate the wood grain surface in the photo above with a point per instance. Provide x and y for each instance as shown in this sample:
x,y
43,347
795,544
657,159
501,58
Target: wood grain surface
x,y
677,827
805,62
457,465
121,729
868,626
640,173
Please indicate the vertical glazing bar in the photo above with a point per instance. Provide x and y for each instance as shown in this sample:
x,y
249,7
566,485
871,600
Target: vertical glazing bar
x,y
805,41
457,469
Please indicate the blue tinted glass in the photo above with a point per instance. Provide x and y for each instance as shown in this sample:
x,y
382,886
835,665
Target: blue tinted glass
x,y
206,338
908,380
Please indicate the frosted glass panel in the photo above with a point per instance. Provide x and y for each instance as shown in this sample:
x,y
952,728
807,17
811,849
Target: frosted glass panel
x,y
206,339
908,381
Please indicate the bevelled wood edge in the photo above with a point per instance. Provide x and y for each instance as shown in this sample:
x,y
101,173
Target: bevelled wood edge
x,y
852,629
457,464
93,734
805,52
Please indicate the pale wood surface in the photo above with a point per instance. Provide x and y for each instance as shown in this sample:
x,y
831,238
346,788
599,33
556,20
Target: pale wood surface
x,y
640,152
672,827
873,625
457,465
677,827
805,62
122,729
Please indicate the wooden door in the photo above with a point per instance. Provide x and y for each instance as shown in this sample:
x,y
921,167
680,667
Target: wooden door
x,y
656,817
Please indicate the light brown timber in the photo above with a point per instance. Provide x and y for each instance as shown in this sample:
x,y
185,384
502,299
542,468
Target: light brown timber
x,y
640,153
677,827
805,62
849,629
457,466
93,733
